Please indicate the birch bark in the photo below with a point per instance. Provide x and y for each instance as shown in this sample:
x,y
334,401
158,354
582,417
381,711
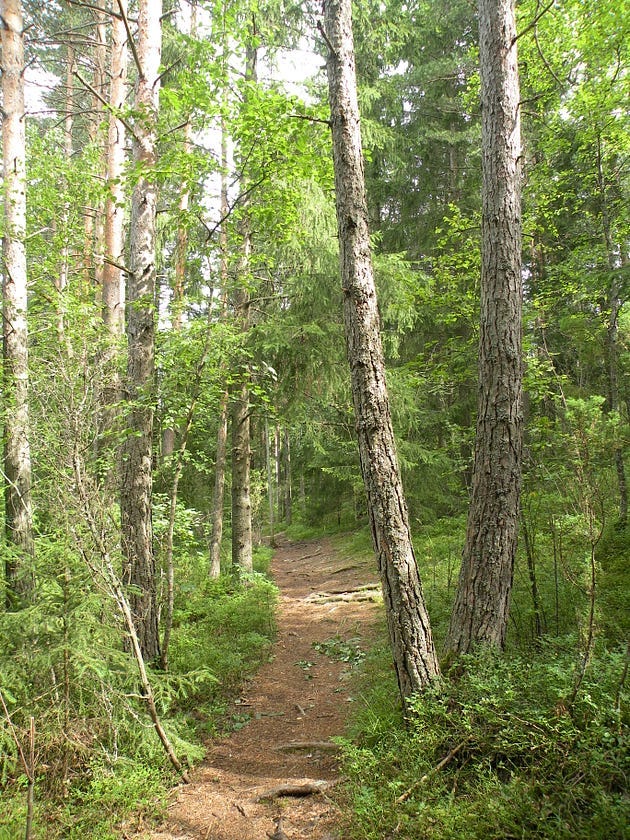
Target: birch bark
x,y
17,454
113,279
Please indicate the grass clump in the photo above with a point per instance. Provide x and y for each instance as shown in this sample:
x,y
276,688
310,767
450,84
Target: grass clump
x,y
496,754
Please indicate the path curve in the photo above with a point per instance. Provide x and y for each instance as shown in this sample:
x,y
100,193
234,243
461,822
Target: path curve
x,y
295,704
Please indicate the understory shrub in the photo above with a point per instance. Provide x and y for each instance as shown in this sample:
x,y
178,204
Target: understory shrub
x,y
497,754
98,760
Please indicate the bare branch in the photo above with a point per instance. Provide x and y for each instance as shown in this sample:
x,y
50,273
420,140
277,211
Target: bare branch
x,y
132,44
324,35
533,23
309,119
101,99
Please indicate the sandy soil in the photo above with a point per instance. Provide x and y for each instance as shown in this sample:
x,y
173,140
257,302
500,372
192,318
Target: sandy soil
x,y
295,704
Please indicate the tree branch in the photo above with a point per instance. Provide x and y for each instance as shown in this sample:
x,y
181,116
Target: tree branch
x,y
533,23
238,200
310,119
109,107
324,35
132,44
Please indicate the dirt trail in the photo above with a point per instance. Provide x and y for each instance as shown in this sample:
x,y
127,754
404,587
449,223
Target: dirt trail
x,y
294,705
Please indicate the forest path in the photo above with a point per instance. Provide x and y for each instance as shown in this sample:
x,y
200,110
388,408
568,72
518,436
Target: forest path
x,y
293,706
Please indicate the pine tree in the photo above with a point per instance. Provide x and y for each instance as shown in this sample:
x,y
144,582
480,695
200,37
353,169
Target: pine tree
x,y
481,609
408,622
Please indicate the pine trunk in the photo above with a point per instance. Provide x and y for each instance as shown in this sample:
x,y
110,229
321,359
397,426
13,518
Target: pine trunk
x,y
17,455
481,608
137,477
408,622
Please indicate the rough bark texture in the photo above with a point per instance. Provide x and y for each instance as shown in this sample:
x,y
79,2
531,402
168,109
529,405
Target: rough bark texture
x,y
137,479
17,456
409,629
241,499
113,280
481,609
219,490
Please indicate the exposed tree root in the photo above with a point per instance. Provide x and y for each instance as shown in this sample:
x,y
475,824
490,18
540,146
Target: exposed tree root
x,y
298,746
298,789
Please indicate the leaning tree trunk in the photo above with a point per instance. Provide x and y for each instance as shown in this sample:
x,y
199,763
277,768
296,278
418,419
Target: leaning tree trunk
x,y
137,477
481,608
17,454
408,622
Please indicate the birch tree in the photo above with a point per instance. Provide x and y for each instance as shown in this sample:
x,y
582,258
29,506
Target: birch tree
x,y
17,454
137,477
408,622
481,609
113,281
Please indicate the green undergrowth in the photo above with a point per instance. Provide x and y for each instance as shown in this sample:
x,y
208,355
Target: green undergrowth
x,y
495,754
100,770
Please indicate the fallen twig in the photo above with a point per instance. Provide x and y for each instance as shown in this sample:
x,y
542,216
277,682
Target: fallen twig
x,y
405,796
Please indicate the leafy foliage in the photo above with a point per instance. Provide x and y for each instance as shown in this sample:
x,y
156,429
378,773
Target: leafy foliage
x,y
497,754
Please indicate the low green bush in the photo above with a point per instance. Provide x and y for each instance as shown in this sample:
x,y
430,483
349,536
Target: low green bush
x,y
98,759
496,754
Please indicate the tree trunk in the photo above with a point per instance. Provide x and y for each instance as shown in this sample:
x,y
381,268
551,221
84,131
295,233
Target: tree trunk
x,y
97,216
219,489
481,608
287,485
216,536
17,454
181,253
408,622
241,499
62,279
113,279
137,478
241,448
270,487
614,305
